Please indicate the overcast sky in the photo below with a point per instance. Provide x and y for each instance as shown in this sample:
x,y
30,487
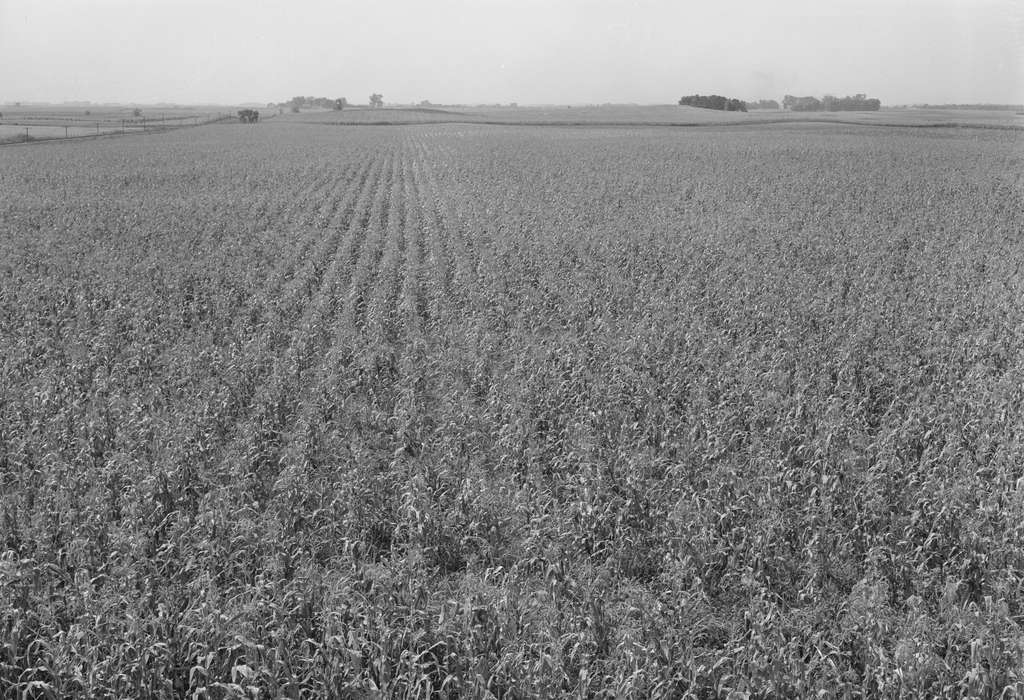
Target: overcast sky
x,y
527,51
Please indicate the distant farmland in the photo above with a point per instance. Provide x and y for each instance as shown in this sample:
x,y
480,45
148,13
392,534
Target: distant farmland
x,y
46,122
311,410
668,115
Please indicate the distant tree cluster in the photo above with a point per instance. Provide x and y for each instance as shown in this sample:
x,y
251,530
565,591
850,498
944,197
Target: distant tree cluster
x,y
830,103
714,102
857,103
299,103
801,104
762,104
248,116
376,100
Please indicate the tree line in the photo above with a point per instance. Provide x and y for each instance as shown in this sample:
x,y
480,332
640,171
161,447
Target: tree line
x,y
725,104
830,103
299,103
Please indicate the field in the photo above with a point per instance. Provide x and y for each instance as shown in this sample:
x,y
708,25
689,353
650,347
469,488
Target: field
x,y
653,115
469,410
23,123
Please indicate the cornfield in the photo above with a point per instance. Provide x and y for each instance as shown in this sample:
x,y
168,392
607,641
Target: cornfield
x,y
464,410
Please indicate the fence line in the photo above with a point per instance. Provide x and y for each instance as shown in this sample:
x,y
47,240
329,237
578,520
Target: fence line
x,y
100,127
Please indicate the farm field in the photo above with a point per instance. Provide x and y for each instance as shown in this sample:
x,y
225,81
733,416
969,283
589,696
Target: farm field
x,y
468,410
20,123
666,115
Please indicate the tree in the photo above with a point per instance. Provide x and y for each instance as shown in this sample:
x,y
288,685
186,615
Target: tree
x,y
830,103
858,103
136,112
340,104
376,100
801,104
714,102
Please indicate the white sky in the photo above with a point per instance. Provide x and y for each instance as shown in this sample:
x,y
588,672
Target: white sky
x,y
528,51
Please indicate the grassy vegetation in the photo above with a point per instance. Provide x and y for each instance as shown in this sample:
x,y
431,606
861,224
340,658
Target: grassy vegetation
x,y
473,411
13,136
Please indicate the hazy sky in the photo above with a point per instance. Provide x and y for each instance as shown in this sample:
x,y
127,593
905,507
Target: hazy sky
x,y
528,51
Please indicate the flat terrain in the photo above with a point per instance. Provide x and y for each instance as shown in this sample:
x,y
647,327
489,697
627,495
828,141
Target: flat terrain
x,y
44,122
302,410
666,115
